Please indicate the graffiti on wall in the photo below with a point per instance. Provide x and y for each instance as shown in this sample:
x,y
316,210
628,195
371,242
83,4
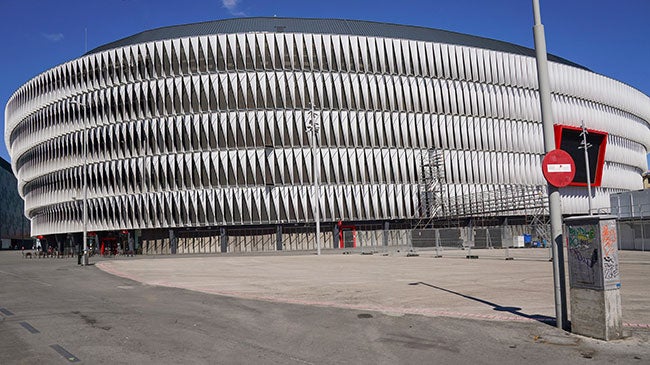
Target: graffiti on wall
x,y
593,255
584,265
581,237
610,252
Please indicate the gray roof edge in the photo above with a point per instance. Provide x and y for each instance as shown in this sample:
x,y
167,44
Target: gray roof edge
x,y
324,26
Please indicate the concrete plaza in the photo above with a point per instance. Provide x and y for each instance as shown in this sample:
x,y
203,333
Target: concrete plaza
x,y
489,288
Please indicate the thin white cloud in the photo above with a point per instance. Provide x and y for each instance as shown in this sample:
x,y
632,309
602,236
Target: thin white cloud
x,y
232,5
54,37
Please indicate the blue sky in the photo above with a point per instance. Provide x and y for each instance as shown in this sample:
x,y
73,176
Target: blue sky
x,y
609,37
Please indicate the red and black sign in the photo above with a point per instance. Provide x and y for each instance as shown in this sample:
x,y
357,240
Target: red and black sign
x,y
569,139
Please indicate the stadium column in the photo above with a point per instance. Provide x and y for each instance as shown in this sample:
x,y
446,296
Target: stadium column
x,y
224,240
59,243
278,238
130,240
137,237
173,243
385,236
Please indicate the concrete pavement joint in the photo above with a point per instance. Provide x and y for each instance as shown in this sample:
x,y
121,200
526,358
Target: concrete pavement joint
x,y
65,353
29,327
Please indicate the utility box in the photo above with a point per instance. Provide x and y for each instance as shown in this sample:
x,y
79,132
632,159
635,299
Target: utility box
x,y
594,278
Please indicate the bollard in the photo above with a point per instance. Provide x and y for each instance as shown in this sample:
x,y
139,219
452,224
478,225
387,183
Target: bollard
x,y
469,253
438,254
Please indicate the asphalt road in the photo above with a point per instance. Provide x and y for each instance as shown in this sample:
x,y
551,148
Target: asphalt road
x,y
55,312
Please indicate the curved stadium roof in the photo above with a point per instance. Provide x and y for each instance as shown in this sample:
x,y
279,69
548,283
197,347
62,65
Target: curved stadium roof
x,y
325,26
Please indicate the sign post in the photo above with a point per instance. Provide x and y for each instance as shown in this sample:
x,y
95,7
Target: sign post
x,y
554,206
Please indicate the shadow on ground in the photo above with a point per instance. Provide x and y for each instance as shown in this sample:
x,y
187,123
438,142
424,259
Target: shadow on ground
x,y
513,310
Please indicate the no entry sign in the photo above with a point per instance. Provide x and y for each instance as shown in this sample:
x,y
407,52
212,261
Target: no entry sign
x,y
559,168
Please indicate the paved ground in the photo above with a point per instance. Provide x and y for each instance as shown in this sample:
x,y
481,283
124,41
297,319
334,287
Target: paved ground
x,y
487,288
50,307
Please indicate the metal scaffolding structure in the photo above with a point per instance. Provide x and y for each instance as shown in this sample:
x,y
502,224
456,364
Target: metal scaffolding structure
x,y
507,200
432,180
539,221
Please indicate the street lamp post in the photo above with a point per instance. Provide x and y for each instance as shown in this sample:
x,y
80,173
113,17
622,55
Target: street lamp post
x,y
313,126
84,258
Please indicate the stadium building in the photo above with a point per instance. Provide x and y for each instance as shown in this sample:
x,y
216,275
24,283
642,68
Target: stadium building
x,y
198,137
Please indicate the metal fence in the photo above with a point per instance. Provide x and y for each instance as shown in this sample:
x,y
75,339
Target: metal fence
x,y
634,234
632,212
286,238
